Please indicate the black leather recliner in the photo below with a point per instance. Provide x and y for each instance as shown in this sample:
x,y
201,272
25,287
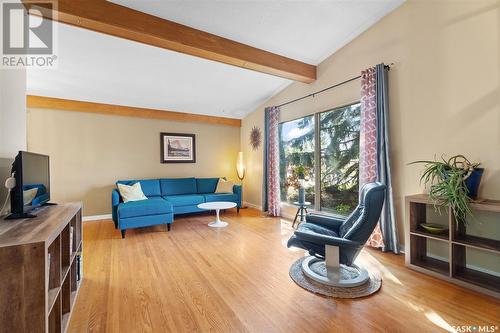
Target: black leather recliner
x,y
348,235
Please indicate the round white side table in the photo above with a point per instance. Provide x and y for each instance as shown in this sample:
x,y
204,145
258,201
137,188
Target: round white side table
x,y
217,206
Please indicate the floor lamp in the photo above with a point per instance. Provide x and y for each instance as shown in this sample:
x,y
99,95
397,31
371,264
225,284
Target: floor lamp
x,y
240,170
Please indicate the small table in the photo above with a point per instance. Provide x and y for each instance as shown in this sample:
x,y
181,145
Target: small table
x,y
217,206
302,207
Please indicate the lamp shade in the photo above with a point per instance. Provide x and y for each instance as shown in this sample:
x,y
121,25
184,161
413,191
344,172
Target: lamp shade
x,y
240,166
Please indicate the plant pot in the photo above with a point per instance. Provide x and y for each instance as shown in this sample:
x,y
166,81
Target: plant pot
x,y
302,195
302,191
473,181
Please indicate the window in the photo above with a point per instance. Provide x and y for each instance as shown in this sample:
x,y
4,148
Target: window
x,y
339,152
331,150
296,153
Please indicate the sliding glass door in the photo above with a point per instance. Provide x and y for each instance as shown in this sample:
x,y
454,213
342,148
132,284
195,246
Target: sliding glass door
x,y
325,147
339,154
296,157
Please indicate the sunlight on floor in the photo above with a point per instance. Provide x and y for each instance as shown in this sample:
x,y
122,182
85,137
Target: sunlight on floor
x,y
432,316
439,321
374,262
286,227
286,232
415,307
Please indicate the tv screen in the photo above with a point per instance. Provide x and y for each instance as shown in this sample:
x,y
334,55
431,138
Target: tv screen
x,y
32,189
35,180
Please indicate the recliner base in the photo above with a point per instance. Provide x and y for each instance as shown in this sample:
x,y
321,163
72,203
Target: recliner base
x,y
341,276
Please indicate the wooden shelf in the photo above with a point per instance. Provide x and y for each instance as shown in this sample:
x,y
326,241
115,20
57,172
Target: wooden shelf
x,y
75,252
73,255
478,278
480,243
64,271
52,297
43,289
73,297
435,265
423,233
420,258
486,205
74,293
458,268
54,317
65,321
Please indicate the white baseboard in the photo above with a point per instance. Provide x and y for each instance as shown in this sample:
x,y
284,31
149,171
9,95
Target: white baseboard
x,y
251,205
97,217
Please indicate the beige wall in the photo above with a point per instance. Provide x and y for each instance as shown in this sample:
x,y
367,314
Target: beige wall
x,y
90,152
444,90
12,122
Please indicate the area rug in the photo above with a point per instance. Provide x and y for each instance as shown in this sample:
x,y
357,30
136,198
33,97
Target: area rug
x,y
369,288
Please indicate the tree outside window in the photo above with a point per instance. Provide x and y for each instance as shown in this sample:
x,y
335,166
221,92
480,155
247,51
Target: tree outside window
x,y
339,159
339,137
296,157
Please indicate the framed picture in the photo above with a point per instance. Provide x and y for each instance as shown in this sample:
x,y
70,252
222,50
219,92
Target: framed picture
x,y
177,148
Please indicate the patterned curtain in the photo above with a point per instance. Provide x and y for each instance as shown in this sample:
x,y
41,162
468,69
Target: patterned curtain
x,y
271,186
374,160
368,140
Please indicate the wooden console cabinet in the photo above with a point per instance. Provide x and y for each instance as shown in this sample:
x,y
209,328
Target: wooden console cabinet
x,y
457,242
41,269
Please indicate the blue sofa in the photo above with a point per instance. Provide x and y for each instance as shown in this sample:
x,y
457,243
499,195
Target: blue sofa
x,y
166,198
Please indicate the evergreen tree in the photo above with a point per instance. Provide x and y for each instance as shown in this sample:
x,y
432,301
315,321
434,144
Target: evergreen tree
x,y
339,137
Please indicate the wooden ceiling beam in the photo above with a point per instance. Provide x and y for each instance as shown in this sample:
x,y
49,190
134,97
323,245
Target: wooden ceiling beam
x,y
112,19
41,102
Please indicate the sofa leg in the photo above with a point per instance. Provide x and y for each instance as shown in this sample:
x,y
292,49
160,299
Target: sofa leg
x,y
123,233
169,225
237,210
116,225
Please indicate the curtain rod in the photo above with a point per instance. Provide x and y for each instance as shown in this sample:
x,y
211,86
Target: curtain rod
x,y
327,88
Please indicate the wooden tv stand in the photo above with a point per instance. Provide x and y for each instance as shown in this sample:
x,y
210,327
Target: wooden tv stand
x,y
35,295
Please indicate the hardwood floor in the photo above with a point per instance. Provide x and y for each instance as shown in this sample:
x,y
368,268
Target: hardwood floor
x,y
235,279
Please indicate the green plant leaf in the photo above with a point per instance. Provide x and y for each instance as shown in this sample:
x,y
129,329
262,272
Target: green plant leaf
x,y
446,183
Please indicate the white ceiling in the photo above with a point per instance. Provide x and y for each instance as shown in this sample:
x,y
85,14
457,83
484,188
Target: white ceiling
x,y
100,68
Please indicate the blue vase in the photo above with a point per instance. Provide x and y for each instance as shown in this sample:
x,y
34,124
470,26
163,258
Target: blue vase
x,y
472,183
302,195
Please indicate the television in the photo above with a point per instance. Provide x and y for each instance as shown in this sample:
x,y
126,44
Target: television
x,y
32,174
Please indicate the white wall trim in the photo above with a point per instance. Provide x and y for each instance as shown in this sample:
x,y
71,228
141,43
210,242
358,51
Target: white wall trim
x,y
97,217
284,214
251,205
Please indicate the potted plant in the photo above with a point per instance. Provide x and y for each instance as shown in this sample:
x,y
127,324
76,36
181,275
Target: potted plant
x,y
301,174
297,181
453,182
300,171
